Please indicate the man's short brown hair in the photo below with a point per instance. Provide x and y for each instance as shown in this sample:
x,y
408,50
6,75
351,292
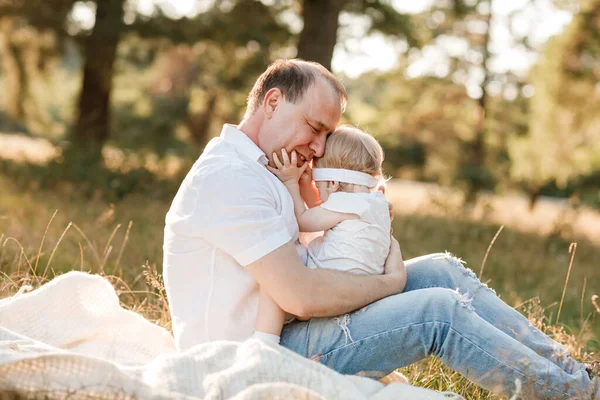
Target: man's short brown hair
x,y
293,77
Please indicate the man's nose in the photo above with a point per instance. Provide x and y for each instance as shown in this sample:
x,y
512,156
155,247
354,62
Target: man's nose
x,y
318,146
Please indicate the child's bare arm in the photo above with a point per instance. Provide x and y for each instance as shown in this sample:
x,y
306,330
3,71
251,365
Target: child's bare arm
x,y
308,190
315,219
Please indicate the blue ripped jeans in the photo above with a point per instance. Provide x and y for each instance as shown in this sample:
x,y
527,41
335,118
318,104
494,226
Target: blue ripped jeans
x,y
445,311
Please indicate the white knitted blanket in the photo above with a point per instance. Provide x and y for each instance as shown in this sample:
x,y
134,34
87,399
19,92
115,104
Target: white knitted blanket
x,y
72,338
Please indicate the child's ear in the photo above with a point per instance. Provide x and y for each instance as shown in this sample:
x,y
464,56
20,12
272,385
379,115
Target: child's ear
x,y
334,185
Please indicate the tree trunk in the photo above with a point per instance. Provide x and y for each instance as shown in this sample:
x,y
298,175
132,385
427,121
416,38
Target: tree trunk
x,y
319,35
477,153
199,123
14,69
92,125
534,195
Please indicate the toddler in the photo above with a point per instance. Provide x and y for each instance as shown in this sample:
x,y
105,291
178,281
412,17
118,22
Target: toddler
x,y
344,203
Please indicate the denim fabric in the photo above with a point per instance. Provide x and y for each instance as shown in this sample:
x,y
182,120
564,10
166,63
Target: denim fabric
x,y
447,312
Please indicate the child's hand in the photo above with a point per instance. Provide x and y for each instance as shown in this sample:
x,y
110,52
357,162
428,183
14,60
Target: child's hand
x,y
306,177
287,171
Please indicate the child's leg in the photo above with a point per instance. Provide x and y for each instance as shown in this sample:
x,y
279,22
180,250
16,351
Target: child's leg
x,y
266,337
269,319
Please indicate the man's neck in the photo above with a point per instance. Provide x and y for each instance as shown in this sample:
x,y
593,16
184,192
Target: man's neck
x,y
250,127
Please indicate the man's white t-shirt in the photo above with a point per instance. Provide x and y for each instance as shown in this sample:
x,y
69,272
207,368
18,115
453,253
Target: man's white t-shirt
x,y
229,212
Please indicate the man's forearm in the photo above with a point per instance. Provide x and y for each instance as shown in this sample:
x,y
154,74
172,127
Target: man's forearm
x,y
336,292
321,292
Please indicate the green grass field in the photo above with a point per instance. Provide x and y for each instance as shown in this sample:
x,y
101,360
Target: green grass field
x,y
46,233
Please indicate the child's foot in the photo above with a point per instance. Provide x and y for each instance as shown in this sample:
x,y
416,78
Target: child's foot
x,y
395,376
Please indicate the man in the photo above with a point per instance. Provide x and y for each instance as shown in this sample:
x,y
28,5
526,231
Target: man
x,y
235,220
231,228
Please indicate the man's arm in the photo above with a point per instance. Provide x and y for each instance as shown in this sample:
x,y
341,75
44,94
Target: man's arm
x,y
309,293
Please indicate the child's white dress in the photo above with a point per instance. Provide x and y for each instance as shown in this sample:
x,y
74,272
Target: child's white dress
x,y
360,246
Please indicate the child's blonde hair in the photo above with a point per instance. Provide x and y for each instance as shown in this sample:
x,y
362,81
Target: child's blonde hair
x,y
351,148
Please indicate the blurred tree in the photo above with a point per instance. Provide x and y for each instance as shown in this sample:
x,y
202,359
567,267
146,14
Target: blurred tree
x,y
468,24
213,62
14,70
319,34
475,158
564,139
26,54
100,48
321,18
458,110
421,122
461,33
246,31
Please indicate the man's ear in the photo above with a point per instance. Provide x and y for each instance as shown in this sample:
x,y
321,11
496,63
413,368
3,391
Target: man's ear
x,y
334,186
273,98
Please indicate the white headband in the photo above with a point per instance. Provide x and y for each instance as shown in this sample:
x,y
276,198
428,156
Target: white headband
x,y
345,176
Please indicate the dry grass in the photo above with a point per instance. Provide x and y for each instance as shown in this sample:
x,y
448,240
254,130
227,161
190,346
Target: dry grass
x,y
123,242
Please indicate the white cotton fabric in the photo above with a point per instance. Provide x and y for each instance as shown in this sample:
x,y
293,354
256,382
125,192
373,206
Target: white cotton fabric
x,y
229,212
71,339
345,176
358,246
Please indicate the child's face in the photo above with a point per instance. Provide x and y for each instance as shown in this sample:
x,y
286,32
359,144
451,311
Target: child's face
x,y
325,188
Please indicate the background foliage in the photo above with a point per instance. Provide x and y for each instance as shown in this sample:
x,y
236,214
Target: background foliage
x,y
106,104
151,82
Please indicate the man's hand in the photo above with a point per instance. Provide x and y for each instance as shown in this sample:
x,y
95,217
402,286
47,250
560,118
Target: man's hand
x,y
394,265
287,170
322,292
382,188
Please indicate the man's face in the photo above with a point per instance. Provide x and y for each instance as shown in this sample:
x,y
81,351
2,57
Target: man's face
x,y
303,126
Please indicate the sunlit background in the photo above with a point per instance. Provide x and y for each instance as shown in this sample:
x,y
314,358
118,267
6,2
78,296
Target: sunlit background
x,y
488,112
